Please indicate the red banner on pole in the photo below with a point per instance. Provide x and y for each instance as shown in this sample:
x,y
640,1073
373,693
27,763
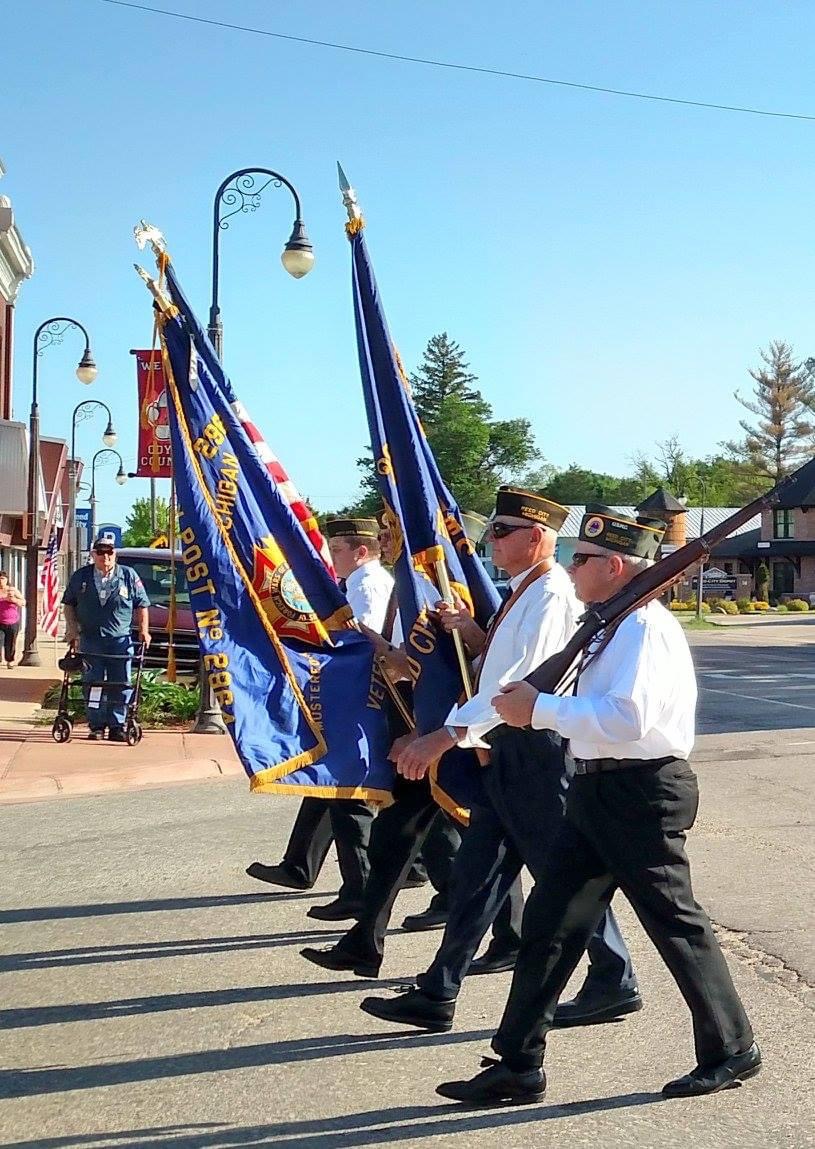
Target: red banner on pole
x,y
155,459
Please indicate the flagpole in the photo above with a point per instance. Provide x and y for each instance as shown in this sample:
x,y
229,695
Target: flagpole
x,y
447,594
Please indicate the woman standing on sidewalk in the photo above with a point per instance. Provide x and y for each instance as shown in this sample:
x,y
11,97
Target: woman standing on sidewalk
x,y
10,602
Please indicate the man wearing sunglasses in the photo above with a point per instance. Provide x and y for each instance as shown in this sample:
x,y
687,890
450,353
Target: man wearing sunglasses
x,y
523,776
630,804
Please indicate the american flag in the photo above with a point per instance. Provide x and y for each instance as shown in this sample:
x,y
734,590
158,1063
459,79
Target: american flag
x,y
50,584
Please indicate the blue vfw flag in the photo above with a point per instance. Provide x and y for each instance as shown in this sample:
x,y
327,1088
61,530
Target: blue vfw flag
x,y
298,690
424,519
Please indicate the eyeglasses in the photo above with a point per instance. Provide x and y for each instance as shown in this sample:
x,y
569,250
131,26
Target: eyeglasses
x,y
501,530
579,558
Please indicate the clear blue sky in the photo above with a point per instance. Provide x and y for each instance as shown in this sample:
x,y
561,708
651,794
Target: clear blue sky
x,y
610,266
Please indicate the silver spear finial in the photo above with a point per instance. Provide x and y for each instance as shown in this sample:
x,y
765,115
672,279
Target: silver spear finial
x,y
349,198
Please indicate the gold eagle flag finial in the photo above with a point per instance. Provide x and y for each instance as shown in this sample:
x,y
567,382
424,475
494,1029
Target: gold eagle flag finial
x,y
349,197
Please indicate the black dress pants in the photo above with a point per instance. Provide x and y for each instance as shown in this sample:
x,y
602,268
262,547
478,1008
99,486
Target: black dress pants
x,y
524,786
348,822
623,829
398,834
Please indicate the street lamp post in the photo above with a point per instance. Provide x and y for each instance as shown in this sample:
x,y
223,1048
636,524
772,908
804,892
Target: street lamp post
x,y
121,479
48,333
240,193
700,581
109,439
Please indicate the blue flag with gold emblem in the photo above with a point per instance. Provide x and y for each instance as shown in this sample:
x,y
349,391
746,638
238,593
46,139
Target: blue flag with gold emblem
x,y
298,690
425,523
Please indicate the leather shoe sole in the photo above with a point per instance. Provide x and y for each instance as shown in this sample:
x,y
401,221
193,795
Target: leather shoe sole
x,y
387,1011
331,959
276,876
595,1015
727,1075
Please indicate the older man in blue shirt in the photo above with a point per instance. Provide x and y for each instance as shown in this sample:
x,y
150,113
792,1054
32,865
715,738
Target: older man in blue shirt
x,y
102,601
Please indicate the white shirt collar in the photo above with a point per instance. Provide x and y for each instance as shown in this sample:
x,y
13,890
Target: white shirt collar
x,y
517,579
364,570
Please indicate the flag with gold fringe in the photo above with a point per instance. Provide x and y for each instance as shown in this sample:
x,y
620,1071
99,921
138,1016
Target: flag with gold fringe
x,y
298,689
425,522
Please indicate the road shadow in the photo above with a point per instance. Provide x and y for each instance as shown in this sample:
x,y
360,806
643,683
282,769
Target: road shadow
x,y
150,906
29,1017
61,1079
147,951
374,1127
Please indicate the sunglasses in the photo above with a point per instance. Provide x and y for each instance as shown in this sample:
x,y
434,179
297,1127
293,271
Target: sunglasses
x,y
501,530
580,558
103,550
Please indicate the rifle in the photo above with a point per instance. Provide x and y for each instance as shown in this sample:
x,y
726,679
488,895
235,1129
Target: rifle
x,y
553,675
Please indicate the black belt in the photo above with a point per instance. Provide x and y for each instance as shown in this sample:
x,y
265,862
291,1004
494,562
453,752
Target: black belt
x,y
601,765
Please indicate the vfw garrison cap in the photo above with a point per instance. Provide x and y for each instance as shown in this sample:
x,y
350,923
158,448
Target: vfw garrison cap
x,y
522,504
348,528
639,537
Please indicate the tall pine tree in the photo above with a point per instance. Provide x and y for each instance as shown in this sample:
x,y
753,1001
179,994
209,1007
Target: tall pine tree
x,y
784,399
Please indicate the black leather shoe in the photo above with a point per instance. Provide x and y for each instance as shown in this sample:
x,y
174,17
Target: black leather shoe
x,y
277,876
493,963
332,958
497,1085
430,919
335,911
727,1074
412,1007
117,734
589,1010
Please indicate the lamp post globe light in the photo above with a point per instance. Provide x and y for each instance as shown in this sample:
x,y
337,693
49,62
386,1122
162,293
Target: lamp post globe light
x,y
240,193
82,411
50,332
121,479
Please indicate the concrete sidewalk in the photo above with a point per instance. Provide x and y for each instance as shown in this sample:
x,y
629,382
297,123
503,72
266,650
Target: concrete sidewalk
x,y
33,766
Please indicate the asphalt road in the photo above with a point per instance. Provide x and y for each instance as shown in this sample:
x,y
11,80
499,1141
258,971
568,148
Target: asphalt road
x,y
152,996
755,678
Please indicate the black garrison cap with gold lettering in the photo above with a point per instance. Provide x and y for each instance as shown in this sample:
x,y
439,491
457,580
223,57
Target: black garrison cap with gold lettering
x,y
521,504
351,528
604,527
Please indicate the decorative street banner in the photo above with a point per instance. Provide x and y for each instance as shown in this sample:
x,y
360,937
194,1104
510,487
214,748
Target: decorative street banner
x,y
155,458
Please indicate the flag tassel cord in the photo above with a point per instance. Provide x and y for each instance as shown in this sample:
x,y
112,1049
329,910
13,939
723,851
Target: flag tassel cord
x,y
442,575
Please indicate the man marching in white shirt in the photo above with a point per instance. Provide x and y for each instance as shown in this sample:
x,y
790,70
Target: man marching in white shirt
x,y
630,803
522,775
355,551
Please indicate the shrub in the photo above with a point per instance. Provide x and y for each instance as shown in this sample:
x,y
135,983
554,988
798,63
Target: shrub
x,y
758,605
744,605
162,702
727,606
782,608
798,604
677,604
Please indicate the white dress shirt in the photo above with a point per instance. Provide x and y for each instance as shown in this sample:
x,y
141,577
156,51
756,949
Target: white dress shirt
x,y
368,590
537,625
637,700
430,599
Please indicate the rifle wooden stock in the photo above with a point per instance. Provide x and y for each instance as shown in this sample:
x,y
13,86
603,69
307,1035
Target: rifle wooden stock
x,y
651,582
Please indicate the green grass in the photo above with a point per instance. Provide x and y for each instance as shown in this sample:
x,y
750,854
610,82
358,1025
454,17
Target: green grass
x,y
691,622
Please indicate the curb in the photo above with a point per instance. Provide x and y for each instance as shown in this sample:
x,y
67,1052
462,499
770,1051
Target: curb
x,y
121,778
